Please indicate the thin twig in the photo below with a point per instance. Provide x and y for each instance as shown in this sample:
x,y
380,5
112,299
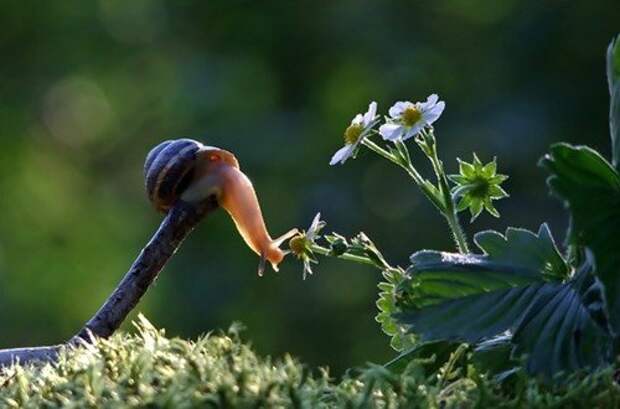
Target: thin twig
x,y
26,355
175,227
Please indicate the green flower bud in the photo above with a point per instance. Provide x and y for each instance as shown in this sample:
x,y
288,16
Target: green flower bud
x,y
477,185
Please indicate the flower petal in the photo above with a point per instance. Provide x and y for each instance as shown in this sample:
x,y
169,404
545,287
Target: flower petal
x,y
414,130
342,155
315,227
390,132
397,109
432,99
433,113
358,120
307,269
315,222
371,114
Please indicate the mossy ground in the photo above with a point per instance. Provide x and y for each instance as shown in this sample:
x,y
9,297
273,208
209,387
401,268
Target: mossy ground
x,y
148,370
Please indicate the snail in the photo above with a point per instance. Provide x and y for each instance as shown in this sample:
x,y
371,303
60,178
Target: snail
x,y
186,180
187,170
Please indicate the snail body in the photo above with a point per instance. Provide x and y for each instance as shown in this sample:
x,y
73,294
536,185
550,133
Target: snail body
x,y
184,169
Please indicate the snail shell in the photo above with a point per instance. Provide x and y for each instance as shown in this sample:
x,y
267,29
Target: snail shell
x,y
169,170
188,170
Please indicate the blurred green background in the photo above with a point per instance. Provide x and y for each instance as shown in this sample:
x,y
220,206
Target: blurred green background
x,y
87,88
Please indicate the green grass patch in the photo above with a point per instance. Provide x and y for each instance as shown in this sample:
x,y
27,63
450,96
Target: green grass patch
x,y
149,370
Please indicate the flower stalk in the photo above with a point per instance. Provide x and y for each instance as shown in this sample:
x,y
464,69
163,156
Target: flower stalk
x,y
475,187
324,251
429,147
425,186
439,196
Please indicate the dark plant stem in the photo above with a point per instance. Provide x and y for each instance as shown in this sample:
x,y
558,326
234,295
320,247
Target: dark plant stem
x,y
175,227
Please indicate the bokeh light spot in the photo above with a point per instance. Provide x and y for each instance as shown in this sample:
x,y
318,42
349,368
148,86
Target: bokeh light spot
x,y
76,110
132,22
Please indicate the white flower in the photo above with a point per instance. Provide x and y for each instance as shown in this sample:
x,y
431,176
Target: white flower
x,y
355,133
301,244
315,228
408,119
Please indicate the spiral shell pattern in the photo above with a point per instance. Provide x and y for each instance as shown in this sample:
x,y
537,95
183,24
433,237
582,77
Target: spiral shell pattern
x,y
168,171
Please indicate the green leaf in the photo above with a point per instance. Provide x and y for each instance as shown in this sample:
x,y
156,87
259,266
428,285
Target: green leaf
x,y
613,62
477,162
458,179
496,192
463,204
466,169
475,208
466,298
495,356
400,340
515,286
614,124
488,205
490,168
613,78
590,187
566,329
537,252
498,179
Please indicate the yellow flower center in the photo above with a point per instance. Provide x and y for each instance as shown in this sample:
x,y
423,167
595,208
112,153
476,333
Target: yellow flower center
x,y
411,115
298,245
352,133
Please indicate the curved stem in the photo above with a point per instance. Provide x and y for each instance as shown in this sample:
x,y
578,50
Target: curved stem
x,y
449,210
415,175
176,226
457,231
377,149
411,171
318,249
345,256
445,205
